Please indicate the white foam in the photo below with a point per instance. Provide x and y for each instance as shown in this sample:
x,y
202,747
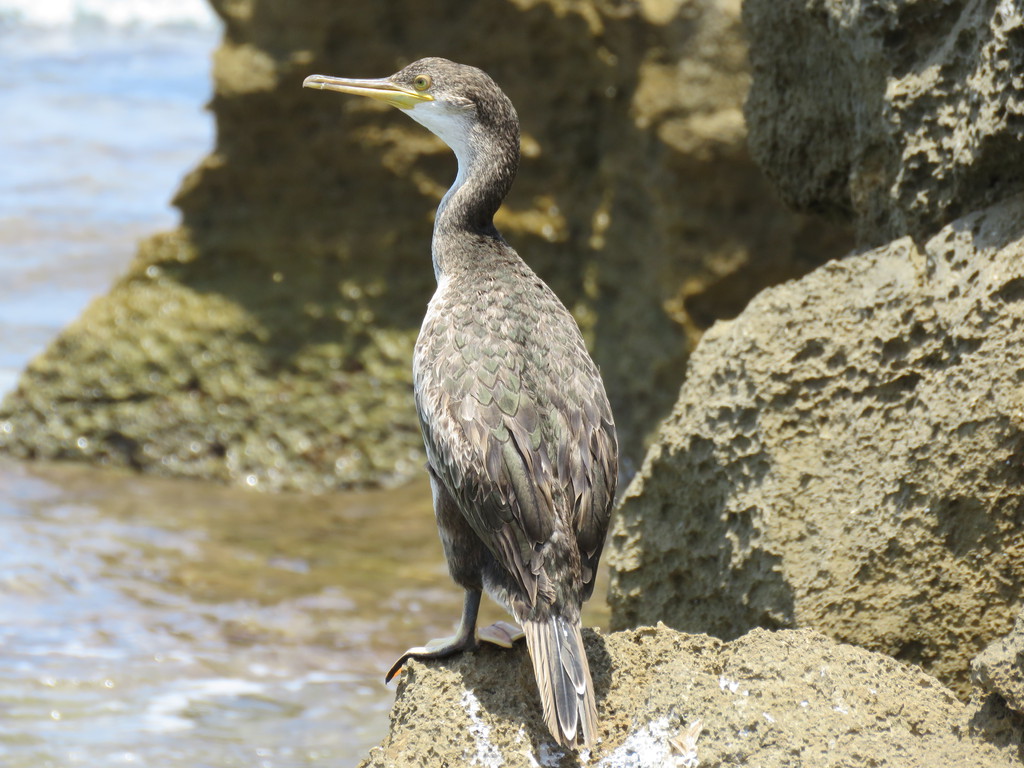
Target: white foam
x,y
168,711
111,13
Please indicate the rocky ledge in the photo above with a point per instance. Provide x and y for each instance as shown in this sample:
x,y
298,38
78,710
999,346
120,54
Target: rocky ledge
x,y
770,699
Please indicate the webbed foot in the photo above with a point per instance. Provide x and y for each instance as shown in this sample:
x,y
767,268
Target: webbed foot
x,y
501,633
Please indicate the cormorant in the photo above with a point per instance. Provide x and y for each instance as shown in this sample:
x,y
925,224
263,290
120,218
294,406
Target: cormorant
x,y
521,446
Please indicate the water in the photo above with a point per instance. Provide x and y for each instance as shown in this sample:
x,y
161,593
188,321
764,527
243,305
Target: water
x,y
152,622
168,623
101,116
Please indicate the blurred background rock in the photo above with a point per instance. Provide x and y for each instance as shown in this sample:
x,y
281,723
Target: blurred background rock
x,y
267,340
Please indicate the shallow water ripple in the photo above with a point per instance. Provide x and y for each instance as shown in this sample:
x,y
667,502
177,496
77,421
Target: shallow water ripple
x,y
175,623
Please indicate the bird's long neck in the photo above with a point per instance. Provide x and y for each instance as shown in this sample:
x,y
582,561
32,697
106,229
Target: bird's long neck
x,y
488,161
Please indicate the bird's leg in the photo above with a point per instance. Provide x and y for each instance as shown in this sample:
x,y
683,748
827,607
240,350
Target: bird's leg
x,y
464,639
468,638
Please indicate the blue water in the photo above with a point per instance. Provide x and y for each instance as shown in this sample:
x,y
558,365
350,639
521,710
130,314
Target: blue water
x,y
100,120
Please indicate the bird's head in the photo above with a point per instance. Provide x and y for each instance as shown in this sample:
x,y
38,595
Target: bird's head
x,y
446,97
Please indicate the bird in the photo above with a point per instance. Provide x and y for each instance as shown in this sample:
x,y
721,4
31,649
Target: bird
x,y
520,440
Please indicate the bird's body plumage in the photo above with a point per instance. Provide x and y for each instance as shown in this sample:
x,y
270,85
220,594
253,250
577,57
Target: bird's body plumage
x,y
519,446
504,390
518,431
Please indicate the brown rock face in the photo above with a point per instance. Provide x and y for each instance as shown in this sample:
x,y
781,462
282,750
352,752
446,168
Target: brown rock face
x,y
269,340
675,700
848,455
901,115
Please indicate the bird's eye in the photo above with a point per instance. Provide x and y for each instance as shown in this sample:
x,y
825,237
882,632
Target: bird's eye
x,y
421,83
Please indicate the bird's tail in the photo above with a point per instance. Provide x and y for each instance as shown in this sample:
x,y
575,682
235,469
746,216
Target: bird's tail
x,y
563,678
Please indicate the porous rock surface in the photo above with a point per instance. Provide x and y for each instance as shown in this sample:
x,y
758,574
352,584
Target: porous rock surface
x,y
900,114
999,669
848,455
666,699
268,341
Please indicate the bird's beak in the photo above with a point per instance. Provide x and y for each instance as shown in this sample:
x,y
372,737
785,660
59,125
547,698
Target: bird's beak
x,y
382,90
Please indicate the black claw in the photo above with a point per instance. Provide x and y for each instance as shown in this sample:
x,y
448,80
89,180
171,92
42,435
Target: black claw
x,y
395,669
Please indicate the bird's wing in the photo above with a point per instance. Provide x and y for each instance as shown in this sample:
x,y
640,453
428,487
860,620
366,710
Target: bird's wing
x,y
515,465
587,455
592,455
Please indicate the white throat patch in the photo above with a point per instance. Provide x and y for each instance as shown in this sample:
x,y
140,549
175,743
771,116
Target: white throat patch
x,y
452,127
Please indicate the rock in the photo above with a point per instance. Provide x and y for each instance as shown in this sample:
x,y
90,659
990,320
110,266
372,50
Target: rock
x,y
668,699
999,668
848,455
268,341
996,710
903,115
991,721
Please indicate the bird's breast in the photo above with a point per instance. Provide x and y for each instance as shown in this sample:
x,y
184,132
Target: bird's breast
x,y
480,329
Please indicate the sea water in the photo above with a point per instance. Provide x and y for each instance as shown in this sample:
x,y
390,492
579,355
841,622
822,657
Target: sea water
x,y
101,114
